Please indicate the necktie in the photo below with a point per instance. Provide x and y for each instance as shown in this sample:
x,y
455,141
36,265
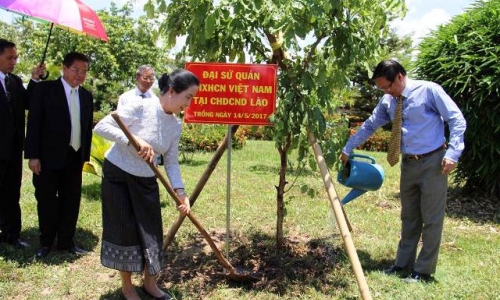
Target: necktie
x,y
395,140
74,107
142,96
7,86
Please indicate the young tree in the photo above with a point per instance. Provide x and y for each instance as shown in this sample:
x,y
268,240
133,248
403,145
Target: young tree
x,y
313,42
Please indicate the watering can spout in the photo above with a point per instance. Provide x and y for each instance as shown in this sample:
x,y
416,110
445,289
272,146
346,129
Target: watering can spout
x,y
354,193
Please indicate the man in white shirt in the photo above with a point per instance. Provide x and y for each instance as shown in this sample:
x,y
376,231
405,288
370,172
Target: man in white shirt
x,y
144,80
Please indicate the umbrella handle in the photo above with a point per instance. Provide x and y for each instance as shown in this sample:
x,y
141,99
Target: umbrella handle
x,y
46,75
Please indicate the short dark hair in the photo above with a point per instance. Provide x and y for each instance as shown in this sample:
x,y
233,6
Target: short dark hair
x,y
388,69
70,58
4,44
179,80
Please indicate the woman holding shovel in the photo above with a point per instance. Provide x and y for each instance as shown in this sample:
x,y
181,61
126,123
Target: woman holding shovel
x,y
132,226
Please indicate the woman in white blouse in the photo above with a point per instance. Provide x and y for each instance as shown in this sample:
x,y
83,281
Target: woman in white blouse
x,y
132,228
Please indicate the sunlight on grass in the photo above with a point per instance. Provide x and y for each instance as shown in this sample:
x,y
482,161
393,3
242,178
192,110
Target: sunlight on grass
x,y
468,266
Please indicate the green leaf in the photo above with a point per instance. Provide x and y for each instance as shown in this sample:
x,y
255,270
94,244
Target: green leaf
x,y
89,168
210,26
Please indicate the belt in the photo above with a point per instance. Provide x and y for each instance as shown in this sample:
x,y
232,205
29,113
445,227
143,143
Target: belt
x,y
420,156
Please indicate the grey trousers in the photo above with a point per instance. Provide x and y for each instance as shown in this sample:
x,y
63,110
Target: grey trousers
x,y
423,201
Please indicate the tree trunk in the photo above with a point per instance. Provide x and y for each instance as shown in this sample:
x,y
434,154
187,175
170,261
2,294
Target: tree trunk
x,y
280,193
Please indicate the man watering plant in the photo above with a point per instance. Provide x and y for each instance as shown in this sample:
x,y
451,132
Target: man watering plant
x,y
418,110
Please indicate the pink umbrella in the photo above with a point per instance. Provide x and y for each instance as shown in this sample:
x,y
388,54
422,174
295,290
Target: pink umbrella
x,y
72,15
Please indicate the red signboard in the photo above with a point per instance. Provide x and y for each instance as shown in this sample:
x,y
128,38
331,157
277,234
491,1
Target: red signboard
x,y
243,94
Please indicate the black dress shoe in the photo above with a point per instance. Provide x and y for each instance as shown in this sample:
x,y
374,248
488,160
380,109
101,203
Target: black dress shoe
x,y
42,252
166,296
20,244
77,251
393,269
418,277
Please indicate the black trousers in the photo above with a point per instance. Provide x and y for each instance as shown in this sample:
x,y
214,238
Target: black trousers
x,y
58,194
10,193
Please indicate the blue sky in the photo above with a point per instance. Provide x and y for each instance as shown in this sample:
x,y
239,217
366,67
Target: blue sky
x,y
425,15
422,15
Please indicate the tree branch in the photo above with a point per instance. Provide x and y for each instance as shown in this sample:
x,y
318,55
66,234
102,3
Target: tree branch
x,y
278,53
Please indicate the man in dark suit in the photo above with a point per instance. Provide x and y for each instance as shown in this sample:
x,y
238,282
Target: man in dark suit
x,y
58,141
13,102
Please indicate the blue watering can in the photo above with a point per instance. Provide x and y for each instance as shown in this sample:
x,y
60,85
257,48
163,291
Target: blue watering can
x,y
361,176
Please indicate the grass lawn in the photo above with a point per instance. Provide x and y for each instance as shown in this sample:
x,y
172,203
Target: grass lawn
x,y
313,265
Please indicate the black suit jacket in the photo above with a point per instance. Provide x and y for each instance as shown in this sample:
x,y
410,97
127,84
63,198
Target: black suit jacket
x,y
12,116
49,125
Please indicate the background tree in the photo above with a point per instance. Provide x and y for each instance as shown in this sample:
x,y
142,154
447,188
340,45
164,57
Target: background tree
x,y
313,42
463,57
22,28
365,94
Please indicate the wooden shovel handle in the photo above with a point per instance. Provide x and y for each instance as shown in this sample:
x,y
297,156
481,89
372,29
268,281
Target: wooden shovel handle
x,y
199,187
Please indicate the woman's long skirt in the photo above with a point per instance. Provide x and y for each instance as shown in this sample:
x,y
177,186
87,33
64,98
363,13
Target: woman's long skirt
x,y
132,235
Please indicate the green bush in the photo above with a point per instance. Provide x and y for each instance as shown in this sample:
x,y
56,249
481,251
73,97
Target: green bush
x,y
206,138
263,133
377,142
462,56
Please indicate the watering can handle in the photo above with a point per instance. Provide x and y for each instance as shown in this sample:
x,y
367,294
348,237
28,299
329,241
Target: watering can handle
x,y
352,156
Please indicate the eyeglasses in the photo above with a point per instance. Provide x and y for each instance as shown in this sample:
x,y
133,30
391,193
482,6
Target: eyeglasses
x,y
387,87
150,79
79,71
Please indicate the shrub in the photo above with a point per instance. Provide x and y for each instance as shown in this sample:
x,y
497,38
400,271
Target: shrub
x,y
377,142
206,137
256,132
463,57
104,110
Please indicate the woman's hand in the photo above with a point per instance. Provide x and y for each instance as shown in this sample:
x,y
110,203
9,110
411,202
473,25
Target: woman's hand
x,y
146,152
186,207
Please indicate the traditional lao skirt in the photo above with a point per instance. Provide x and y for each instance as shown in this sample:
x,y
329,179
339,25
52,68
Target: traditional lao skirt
x,y
132,235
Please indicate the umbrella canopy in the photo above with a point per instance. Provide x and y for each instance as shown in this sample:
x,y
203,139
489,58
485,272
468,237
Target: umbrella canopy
x,y
72,15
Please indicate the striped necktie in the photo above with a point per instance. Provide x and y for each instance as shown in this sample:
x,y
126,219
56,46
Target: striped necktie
x,y
74,107
394,146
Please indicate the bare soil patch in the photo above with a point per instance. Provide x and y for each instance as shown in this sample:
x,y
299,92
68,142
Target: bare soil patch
x,y
303,262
